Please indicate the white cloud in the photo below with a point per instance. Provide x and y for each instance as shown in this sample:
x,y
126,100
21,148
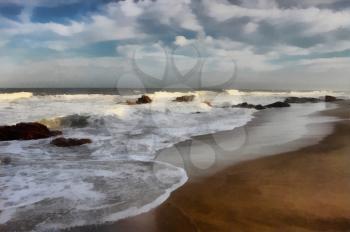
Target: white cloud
x,y
225,49
250,27
181,40
316,20
326,64
265,4
74,72
130,9
117,21
124,20
178,12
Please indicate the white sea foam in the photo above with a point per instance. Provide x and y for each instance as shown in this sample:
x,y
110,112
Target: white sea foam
x,y
114,177
14,96
85,192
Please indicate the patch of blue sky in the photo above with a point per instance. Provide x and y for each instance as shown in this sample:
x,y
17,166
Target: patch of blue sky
x,y
66,12
100,49
10,11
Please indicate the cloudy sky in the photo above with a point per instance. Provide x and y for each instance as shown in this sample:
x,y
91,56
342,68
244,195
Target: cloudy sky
x,y
275,44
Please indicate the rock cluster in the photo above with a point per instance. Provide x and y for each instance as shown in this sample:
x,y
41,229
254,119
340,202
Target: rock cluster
x,y
291,100
327,98
35,130
287,102
26,131
249,106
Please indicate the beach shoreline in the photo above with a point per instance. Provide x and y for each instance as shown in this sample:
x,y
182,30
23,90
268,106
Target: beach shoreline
x,y
302,189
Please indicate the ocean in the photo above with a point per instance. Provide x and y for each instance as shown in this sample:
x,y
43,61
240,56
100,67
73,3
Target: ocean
x,y
117,175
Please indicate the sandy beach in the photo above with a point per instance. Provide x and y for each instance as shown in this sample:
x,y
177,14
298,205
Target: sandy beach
x,y
303,190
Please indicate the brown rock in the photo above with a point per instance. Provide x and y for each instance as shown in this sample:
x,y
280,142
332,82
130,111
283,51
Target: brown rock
x,y
328,98
186,98
144,99
69,142
26,131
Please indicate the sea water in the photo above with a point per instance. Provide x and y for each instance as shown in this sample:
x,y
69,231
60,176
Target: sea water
x,y
116,176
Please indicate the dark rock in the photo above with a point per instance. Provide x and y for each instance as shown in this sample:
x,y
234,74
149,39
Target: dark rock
x,y
69,142
26,131
278,105
144,99
244,105
260,107
5,160
302,100
328,98
249,106
186,98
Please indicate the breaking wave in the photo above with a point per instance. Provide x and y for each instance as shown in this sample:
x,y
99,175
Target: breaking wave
x,y
15,96
115,176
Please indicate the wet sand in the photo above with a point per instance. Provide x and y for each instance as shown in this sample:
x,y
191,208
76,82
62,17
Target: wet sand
x,y
303,190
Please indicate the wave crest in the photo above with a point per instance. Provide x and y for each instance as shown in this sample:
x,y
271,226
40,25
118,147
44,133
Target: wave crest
x,y
73,121
15,96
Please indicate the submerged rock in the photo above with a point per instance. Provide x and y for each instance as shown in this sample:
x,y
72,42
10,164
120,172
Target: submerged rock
x,y
69,142
302,100
328,98
278,105
26,131
74,120
186,98
5,160
144,99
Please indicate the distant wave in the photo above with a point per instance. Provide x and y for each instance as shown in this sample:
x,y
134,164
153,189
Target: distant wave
x,y
15,96
315,93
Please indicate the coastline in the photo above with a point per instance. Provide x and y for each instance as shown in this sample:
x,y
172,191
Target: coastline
x,y
261,194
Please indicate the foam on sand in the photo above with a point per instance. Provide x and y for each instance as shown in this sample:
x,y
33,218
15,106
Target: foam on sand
x,y
80,193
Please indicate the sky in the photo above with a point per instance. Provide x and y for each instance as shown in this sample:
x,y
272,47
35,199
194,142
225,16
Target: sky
x,y
263,44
